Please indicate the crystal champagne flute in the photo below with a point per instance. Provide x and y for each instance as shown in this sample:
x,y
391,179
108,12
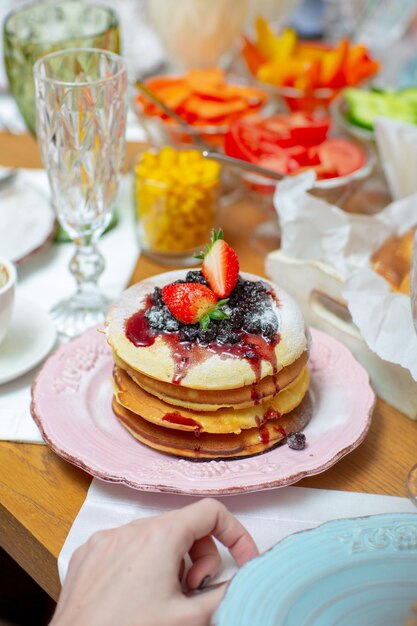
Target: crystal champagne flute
x,y
80,127
412,475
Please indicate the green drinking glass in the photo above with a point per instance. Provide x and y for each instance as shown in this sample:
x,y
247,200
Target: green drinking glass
x,y
34,30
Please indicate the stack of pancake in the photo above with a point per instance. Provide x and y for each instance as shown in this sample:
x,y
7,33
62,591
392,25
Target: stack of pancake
x,y
194,401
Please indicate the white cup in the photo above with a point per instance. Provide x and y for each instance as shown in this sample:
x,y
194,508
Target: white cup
x,y
8,277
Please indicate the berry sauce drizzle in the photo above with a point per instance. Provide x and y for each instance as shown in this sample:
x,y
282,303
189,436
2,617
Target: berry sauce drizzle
x,y
186,354
177,418
137,329
263,435
254,394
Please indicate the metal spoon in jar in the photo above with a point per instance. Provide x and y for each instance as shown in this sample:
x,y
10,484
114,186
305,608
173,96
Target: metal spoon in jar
x,y
245,165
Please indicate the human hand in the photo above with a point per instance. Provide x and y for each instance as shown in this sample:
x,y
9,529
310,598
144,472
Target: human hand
x,y
130,576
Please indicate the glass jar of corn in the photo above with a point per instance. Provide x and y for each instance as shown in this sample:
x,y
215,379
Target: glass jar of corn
x,y
176,195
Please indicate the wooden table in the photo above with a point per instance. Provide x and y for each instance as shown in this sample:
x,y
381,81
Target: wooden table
x,y
40,494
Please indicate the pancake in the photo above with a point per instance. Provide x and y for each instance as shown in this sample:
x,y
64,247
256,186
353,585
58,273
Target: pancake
x,y
209,400
208,446
234,391
222,421
206,370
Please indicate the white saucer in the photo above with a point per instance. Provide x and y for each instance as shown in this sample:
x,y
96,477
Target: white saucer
x,y
30,337
27,221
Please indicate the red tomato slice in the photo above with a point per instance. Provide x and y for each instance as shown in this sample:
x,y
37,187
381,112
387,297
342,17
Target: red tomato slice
x,y
290,143
311,135
250,141
304,129
299,154
277,162
339,155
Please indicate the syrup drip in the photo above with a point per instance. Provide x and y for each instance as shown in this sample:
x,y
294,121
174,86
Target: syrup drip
x,y
184,354
271,414
275,381
177,418
252,348
264,435
137,329
279,429
263,431
255,395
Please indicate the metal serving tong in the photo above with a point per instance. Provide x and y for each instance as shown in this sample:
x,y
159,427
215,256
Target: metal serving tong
x,y
207,149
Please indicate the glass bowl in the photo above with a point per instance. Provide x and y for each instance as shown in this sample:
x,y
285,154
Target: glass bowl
x,y
260,189
163,130
307,100
339,113
167,131
175,194
299,98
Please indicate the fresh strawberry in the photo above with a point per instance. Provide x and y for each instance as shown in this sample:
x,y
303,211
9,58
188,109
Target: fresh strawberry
x,y
220,265
190,303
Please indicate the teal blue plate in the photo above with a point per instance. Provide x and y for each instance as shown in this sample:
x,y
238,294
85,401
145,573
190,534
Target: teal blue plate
x,y
355,572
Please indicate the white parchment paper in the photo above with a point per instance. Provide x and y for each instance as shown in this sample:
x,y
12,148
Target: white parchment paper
x,y
315,229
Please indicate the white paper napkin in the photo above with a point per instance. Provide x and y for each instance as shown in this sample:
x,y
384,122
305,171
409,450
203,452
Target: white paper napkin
x,y
268,515
45,278
314,229
397,146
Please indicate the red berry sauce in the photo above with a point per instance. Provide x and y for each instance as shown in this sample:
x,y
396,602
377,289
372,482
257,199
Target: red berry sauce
x,y
137,329
177,418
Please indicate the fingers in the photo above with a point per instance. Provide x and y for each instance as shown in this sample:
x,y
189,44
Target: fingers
x,y
210,517
206,561
204,605
181,570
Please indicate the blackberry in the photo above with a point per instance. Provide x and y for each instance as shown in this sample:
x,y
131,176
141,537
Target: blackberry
x,y
195,276
262,321
234,298
261,289
252,324
209,335
250,305
156,318
171,325
188,332
229,338
296,441
157,296
226,334
236,319
224,326
236,295
269,332
269,323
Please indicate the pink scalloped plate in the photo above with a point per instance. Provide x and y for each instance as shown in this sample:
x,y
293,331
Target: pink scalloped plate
x,y
71,403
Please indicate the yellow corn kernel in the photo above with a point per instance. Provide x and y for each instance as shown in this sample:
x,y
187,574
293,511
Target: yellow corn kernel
x,y
175,195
